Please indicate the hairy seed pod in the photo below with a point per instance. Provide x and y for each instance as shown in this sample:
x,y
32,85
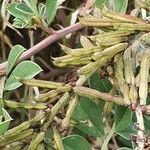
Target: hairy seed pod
x,y
144,75
128,66
41,83
58,140
119,75
106,41
111,51
132,27
72,105
122,17
111,34
13,104
36,140
85,42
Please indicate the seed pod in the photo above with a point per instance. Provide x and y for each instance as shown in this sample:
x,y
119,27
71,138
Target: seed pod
x,y
120,78
40,146
112,34
87,68
72,105
65,49
17,137
106,41
144,74
41,83
44,97
122,17
14,104
25,125
84,52
132,27
133,94
128,66
111,51
58,106
85,42
100,23
35,141
58,141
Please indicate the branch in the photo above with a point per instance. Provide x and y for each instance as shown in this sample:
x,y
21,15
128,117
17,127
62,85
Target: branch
x,y
43,44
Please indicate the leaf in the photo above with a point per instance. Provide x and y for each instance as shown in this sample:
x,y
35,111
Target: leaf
x,y
123,117
14,55
41,10
89,116
5,124
102,85
99,3
24,8
51,8
120,5
17,13
24,70
75,142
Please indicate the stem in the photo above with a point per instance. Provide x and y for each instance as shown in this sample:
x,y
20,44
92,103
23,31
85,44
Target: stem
x,y
140,135
43,44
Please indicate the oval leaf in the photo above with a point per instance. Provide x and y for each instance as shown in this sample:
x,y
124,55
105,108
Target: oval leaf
x,y
14,55
120,5
75,142
24,70
24,8
51,8
123,117
89,116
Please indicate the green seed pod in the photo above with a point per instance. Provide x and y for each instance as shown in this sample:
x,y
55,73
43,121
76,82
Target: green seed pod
x,y
56,108
133,94
101,23
106,41
132,27
17,137
44,97
119,75
128,66
41,83
122,17
111,51
14,104
35,141
85,42
144,75
65,49
111,34
57,140
72,105
87,68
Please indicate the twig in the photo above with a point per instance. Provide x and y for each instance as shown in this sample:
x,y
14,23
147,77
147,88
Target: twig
x,y
43,44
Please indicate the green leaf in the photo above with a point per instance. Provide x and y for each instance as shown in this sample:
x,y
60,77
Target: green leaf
x,y
24,70
14,55
89,116
75,142
51,8
120,5
24,8
17,13
41,10
102,85
5,124
99,3
123,117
